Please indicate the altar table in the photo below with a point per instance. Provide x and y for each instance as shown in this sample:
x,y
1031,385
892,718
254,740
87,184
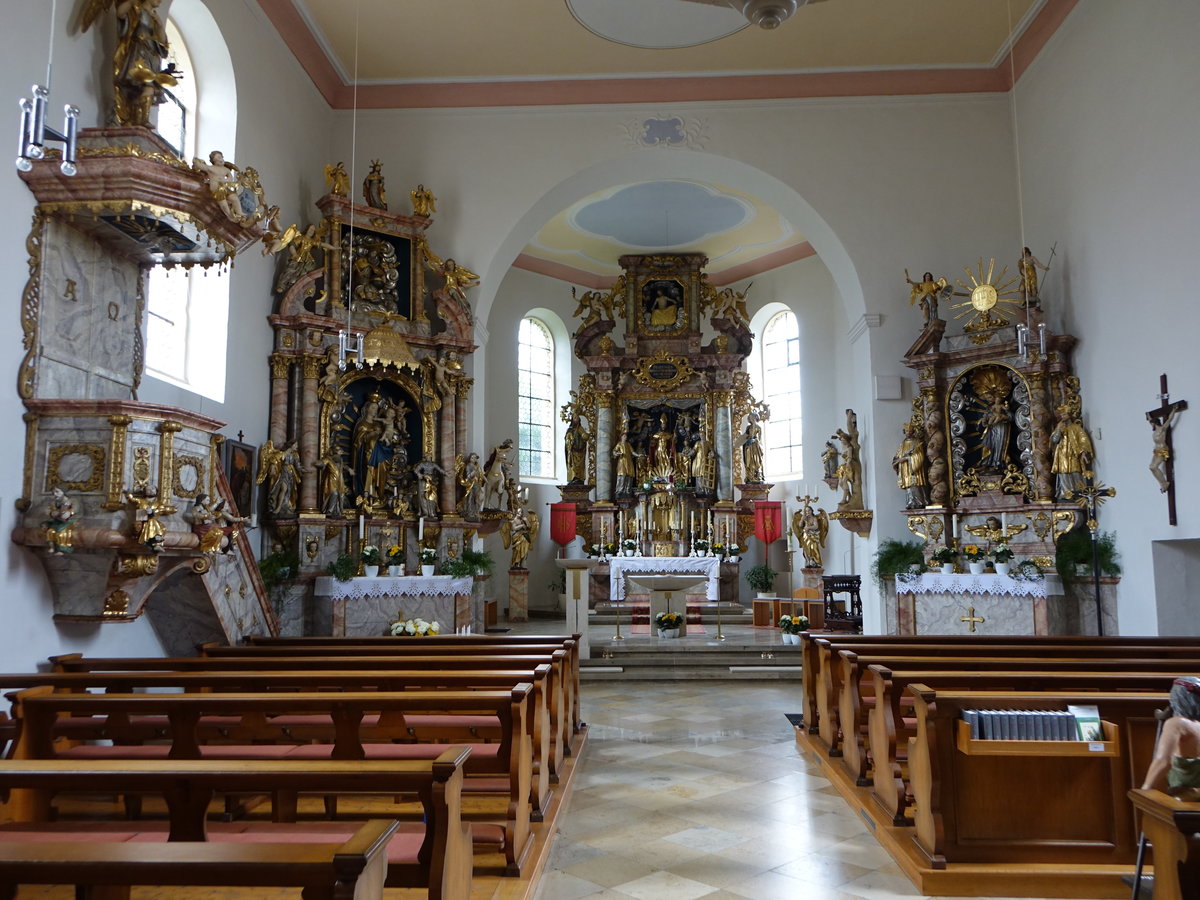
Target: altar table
x,y
621,566
367,606
933,603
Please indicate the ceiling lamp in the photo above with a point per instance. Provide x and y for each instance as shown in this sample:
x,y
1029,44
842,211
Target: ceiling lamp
x,y
766,13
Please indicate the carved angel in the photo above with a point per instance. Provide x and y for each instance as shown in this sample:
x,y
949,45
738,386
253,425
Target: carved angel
x,y
520,529
139,75
595,304
337,180
811,528
457,278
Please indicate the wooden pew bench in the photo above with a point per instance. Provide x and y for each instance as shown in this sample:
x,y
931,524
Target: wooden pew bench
x,y
829,671
556,697
432,727
1027,802
893,643
892,724
186,850
1172,826
857,694
294,726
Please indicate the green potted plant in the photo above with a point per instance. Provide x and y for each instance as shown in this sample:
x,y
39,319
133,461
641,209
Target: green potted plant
x,y
343,568
278,569
700,547
1073,555
371,560
944,557
629,545
1001,558
428,556
762,579
668,624
471,564
893,557
976,558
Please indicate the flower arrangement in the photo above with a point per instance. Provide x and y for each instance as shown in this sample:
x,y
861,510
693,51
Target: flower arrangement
x,y
428,556
944,555
628,544
974,553
700,546
668,620
416,627
370,555
793,624
395,554
1002,553
733,549
1026,570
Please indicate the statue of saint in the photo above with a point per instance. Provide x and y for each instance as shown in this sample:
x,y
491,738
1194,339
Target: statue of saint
x,y
59,527
626,467
498,475
1158,461
1073,451
520,529
909,465
469,473
752,454
849,471
576,442
1027,266
139,75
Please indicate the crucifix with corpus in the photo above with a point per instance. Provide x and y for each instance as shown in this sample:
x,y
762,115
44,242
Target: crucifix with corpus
x,y
1162,463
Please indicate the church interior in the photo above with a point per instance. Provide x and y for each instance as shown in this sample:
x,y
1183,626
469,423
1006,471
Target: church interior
x,y
561,311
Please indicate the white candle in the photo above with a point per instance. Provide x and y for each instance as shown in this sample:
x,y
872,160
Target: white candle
x,y
954,525
362,527
421,528
1003,526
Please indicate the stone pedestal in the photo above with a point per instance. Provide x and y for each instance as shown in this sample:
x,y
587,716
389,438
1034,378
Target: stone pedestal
x,y
518,595
811,578
577,581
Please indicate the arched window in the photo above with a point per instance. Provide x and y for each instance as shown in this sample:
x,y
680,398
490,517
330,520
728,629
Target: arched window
x,y
188,310
535,398
783,439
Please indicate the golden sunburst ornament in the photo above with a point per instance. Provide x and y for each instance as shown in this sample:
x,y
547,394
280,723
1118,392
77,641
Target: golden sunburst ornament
x,y
986,297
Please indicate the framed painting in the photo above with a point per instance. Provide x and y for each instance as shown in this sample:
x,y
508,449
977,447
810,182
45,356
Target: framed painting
x,y
238,460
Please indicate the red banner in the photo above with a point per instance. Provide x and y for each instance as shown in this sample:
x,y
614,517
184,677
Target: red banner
x,y
562,523
768,520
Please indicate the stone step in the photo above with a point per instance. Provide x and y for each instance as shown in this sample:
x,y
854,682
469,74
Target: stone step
x,y
651,660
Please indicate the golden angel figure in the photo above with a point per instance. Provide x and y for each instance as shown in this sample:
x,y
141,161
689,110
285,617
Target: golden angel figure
x,y
928,292
520,529
423,201
811,528
337,180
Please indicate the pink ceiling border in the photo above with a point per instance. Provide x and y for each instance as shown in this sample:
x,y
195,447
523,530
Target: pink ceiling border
x,y
567,92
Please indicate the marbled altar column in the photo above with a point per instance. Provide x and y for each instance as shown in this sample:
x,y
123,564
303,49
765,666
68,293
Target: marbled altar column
x,y
518,595
448,445
462,389
604,444
1040,424
309,435
279,398
935,447
723,445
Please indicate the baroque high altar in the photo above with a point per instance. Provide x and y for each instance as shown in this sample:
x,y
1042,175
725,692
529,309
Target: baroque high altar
x,y
666,411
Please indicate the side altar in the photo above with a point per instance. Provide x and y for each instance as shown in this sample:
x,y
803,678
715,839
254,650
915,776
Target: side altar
x,y
664,440
367,606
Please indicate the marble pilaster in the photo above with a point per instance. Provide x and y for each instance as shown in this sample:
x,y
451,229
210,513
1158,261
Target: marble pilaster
x,y
309,431
518,595
448,442
603,450
280,366
723,451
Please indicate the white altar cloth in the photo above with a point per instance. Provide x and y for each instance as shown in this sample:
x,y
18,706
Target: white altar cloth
x,y
357,588
621,566
965,583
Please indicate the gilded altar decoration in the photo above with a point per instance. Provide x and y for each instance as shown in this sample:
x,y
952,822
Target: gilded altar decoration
x,y
140,72
662,305
1027,267
500,477
423,202
76,467
576,442
750,444
663,371
988,298
723,304
468,472
520,528
374,193
1072,462
592,305
909,465
216,527
337,182
279,469
237,192
811,529
59,527
849,470
927,292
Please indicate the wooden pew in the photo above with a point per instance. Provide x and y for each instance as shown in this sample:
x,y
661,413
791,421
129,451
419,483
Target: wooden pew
x,y
829,673
891,642
1173,828
888,733
557,702
314,644
857,695
349,870
191,725
439,728
435,854
431,647
1024,802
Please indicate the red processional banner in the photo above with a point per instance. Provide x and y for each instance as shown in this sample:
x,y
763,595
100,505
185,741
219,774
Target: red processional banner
x,y
562,523
768,520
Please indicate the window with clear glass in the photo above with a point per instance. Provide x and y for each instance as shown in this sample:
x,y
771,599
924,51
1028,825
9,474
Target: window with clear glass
x,y
535,398
177,113
783,436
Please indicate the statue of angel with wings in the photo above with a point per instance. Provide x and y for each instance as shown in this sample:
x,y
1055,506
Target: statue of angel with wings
x,y
520,529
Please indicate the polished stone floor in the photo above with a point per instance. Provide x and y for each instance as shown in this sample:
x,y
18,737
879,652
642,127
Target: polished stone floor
x,y
693,790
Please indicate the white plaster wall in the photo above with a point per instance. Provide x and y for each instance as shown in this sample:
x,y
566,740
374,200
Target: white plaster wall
x,y
283,131
1108,131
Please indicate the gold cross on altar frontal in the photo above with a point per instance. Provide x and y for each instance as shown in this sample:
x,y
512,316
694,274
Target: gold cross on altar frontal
x,y
972,618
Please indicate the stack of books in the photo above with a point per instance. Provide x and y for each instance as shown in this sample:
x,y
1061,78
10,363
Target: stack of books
x,y
1075,723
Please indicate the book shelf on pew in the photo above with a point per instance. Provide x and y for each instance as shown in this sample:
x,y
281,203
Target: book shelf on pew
x,y
976,747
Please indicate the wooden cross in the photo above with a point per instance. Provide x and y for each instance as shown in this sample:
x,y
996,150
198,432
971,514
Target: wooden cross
x,y
1162,464
972,618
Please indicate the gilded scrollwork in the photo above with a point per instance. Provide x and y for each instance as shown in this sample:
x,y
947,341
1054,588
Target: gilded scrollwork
x,y
663,371
31,301
141,468
196,465
137,566
280,365
116,603
116,461
95,474
139,340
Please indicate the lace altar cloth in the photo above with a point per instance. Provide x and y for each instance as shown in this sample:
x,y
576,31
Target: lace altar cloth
x,y
621,566
937,583
404,585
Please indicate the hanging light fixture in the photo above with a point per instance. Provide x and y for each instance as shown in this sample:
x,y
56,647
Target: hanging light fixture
x,y
34,130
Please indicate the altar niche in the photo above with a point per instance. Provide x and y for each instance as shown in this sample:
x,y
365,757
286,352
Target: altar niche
x,y
376,430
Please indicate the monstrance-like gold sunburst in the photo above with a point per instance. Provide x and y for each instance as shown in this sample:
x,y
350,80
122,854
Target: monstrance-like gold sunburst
x,y
984,295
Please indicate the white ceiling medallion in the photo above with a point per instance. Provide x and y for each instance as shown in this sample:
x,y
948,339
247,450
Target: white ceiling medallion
x,y
667,131
657,24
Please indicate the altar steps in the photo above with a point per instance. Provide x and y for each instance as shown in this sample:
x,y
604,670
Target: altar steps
x,y
697,613
694,657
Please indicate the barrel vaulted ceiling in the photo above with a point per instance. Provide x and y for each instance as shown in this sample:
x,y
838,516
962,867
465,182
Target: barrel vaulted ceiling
x,y
396,54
